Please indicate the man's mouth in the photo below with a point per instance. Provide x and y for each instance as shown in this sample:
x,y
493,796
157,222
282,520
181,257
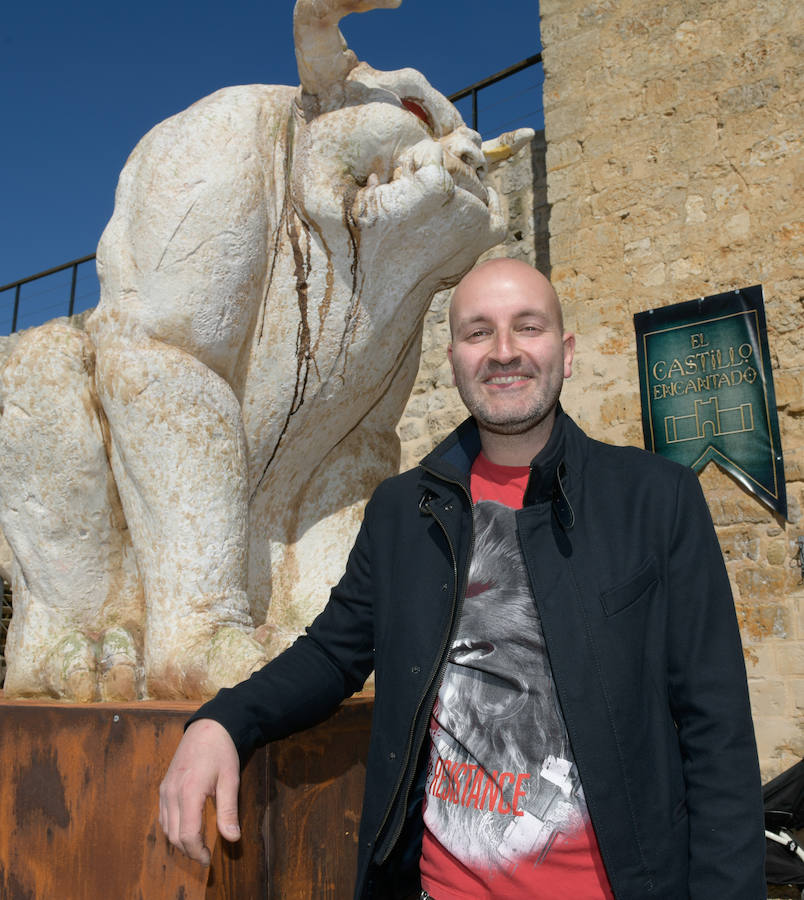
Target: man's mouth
x,y
505,379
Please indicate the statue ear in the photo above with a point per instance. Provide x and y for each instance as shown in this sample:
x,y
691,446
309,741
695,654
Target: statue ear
x,y
322,56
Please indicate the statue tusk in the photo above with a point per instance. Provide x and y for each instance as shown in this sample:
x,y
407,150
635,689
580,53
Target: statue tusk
x,y
507,144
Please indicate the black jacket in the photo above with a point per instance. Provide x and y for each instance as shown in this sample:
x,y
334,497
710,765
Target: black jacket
x,y
640,627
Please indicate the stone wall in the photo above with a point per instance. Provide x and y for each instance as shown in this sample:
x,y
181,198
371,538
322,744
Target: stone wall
x,y
673,154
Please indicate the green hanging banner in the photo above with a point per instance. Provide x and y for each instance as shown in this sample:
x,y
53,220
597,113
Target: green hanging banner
x,y
707,389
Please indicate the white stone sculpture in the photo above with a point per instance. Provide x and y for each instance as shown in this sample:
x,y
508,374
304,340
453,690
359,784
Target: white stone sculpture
x,y
197,461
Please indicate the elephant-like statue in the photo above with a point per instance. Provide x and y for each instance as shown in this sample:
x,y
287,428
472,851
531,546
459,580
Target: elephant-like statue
x,y
182,481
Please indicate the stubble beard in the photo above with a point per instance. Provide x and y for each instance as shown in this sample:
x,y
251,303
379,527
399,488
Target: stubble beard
x,y
509,422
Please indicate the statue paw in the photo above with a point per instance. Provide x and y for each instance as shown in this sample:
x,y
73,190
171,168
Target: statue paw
x,y
71,669
120,678
199,670
232,656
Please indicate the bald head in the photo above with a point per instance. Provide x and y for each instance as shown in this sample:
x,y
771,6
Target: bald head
x,y
509,355
500,275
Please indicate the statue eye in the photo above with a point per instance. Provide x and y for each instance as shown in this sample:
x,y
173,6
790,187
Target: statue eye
x,y
418,110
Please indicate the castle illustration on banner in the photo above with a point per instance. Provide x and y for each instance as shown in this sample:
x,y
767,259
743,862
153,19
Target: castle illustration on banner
x,y
709,420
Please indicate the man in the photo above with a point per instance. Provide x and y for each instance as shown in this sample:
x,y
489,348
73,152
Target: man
x,y
561,705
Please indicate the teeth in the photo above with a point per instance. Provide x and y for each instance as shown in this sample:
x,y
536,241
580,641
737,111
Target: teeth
x,y
506,379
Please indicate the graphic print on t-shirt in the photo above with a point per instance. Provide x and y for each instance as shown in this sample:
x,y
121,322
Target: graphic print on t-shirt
x,y
502,786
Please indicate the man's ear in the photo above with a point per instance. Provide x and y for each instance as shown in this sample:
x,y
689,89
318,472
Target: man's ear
x,y
569,352
449,357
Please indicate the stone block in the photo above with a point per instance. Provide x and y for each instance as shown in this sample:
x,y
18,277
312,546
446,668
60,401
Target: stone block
x,y
685,268
705,77
760,660
559,27
738,29
577,51
777,553
770,768
762,620
790,656
662,93
653,274
562,153
746,97
563,247
763,583
756,58
738,226
572,287
736,506
789,386
637,250
693,37
693,140
619,409
794,464
608,171
597,14
729,195
738,543
768,697
759,127
776,735
695,208
620,106
565,121
572,181
567,214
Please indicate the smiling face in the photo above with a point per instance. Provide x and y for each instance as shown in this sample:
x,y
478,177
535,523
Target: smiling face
x,y
509,353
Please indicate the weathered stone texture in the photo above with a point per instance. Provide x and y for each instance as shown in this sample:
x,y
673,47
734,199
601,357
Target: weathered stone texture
x,y
673,171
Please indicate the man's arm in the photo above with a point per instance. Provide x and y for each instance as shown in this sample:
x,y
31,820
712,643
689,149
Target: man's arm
x,y
710,705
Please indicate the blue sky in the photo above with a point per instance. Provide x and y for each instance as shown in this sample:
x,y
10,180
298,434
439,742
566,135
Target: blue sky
x,y
81,83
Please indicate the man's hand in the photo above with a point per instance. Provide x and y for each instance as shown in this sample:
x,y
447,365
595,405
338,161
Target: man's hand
x,y
205,764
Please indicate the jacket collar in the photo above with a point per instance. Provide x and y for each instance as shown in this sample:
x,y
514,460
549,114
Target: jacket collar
x,y
549,478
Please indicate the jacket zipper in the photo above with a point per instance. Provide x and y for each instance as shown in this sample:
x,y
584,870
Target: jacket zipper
x,y
457,606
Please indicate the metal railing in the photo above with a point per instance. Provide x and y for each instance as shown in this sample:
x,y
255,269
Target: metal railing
x,y
16,286
472,91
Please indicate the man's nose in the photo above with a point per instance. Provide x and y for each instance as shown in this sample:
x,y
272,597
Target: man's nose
x,y
505,350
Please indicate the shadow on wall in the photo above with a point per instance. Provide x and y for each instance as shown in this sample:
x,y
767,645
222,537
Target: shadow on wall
x,y
541,208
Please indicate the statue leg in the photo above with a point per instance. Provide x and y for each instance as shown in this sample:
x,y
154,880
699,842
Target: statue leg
x,y
312,534
74,579
179,457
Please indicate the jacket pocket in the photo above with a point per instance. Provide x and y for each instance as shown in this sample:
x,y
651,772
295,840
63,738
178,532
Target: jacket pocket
x,y
633,589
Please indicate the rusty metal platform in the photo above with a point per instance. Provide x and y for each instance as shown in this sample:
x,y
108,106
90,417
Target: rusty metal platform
x,y
78,807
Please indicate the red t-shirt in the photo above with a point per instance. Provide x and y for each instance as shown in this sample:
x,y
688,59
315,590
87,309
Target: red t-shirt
x,y
504,813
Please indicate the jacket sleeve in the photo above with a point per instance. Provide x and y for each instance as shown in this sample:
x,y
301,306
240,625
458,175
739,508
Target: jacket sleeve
x,y
710,705
304,685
